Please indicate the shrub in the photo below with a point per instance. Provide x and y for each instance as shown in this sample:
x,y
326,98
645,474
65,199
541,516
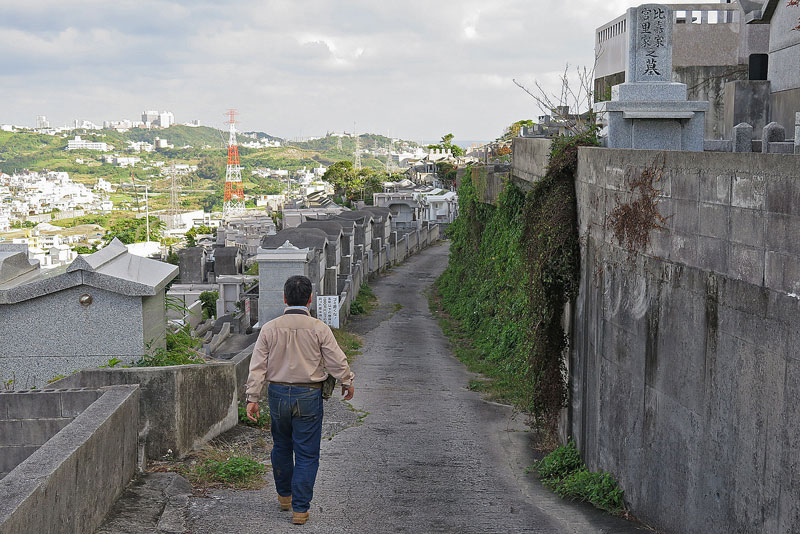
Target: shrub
x,y
233,470
564,473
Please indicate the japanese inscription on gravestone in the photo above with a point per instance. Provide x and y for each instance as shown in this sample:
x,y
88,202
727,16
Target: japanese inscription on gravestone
x,y
328,310
650,48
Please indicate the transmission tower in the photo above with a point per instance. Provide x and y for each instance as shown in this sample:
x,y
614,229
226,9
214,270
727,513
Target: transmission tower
x,y
234,192
357,158
173,211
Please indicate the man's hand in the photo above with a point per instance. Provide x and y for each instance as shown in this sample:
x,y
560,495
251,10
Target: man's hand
x,y
252,411
348,391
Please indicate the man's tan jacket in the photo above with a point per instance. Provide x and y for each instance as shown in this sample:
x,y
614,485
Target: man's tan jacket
x,y
295,348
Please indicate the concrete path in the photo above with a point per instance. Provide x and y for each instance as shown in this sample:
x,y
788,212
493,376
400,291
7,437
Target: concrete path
x,y
430,456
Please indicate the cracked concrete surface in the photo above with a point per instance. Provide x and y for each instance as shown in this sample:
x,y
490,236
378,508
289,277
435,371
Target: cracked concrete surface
x,y
431,456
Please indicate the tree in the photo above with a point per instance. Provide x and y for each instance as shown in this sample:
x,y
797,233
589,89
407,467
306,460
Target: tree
x,y
209,300
575,94
211,168
447,173
513,130
191,237
340,175
447,144
172,257
134,230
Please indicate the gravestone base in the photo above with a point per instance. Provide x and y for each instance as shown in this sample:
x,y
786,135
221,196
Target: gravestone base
x,y
654,125
650,92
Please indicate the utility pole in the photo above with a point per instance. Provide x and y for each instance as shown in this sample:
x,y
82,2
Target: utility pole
x,y
173,197
357,158
147,212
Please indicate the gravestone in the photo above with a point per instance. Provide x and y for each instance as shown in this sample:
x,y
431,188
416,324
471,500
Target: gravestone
x,y
227,261
192,265
275,266
773,140
649,111
743,138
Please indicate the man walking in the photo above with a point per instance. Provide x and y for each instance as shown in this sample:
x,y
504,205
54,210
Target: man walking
x,y
292,354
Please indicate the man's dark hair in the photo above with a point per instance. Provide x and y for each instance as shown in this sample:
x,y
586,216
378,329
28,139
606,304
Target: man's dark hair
x,y
297,290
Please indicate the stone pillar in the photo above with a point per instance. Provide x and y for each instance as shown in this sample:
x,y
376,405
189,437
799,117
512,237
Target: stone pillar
x,y
743,138
274,267
331,281
346,265
797,133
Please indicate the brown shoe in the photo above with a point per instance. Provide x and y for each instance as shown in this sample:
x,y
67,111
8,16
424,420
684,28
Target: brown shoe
x,y
285,502
299,518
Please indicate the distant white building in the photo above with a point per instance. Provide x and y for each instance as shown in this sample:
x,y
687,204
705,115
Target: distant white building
x,y
122,161
162,144
82,124
158,119
82,144
141,146
273,202
149,117
103,185
42,122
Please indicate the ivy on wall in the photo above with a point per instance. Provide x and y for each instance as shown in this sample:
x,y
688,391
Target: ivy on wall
x,y
512,270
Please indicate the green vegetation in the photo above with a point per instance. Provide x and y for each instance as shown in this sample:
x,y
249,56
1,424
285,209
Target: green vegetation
x,y
512,269
209,300
111,363
130,230
564,472
263,416
447,144
514,129
348,342
233,471
352,184
181,350
365,302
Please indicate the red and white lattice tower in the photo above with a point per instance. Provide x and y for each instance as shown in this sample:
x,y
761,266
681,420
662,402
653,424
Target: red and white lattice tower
x,y
234,192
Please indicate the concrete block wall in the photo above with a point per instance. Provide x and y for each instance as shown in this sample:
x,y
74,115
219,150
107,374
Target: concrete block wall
x,y
685,361
68,484
530,157
734,214
28,419
182,406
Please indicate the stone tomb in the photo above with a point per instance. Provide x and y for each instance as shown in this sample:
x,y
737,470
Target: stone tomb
x,y
649,111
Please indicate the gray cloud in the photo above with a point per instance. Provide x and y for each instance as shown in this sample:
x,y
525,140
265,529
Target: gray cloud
x,y
415,68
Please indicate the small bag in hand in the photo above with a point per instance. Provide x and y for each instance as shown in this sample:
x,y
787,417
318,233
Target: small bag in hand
x,y
328,386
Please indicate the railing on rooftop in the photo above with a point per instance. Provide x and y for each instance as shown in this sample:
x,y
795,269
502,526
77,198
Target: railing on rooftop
x,y
683,14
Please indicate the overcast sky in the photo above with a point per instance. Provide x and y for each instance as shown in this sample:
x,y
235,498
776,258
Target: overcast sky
x,y
415,68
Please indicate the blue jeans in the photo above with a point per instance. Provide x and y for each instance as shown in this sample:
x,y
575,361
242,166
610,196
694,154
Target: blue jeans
x,y
296,413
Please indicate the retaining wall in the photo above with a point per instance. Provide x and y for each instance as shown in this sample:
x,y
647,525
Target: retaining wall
x,y
68,485
530,158
182,406
29,418
685,362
